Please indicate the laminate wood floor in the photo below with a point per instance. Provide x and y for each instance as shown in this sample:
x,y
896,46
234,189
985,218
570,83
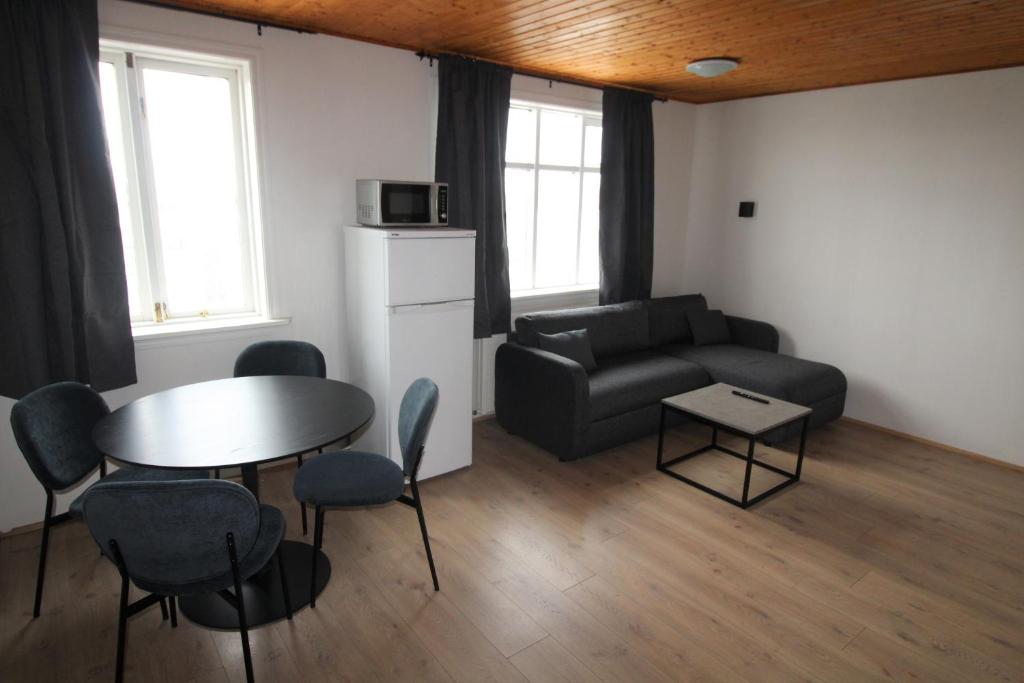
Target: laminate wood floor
x,y
891,560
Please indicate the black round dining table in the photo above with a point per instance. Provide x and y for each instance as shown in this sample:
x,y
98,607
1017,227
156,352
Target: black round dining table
x,y
240,422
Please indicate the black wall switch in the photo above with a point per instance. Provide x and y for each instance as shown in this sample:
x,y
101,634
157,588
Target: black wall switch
x,y
746,209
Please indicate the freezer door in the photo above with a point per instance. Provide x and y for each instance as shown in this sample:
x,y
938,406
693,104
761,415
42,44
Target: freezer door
x,y
429,270
434,341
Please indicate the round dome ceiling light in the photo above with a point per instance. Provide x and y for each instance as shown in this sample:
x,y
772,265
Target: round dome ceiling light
x,y
709,68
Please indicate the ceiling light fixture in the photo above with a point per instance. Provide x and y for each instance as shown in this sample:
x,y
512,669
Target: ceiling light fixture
x,y
709,68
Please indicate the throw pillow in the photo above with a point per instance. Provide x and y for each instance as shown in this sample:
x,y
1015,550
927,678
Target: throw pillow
x,y
574,345
709,327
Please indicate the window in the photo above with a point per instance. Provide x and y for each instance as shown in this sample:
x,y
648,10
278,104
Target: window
x,y
180,137
552,181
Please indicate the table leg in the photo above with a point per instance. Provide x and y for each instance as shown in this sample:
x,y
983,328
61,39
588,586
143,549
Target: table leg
x,y
803,442
251,479
661,434
264,598
750,466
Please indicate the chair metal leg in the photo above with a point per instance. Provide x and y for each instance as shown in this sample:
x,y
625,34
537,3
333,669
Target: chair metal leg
x,y
423,530
163,608
216,473
243,626
284,582
302,505
41,571
318,538
122,614
174,610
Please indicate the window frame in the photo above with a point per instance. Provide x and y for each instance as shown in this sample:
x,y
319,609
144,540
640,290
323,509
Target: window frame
x,y
590,116
129,58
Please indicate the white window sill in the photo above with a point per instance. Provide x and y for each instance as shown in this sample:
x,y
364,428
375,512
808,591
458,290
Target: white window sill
x,y
552,299
159,334
536,293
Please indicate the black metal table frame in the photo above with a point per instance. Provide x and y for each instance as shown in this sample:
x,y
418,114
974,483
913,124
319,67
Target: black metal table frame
x,y
746,501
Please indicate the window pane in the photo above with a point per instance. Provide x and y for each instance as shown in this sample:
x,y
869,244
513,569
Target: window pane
x,y
115,124
199,201
561,134
557,213
592,147
519,228
589,229
521,145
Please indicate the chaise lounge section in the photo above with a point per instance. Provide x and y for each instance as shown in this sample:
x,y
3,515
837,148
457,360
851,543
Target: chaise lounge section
x,y
644,351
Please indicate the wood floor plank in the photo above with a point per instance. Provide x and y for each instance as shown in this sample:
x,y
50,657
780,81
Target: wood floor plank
x,y
670,650
548,662
462,649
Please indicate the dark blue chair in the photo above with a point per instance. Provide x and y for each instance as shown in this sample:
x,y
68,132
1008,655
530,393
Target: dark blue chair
x,y
353,479
53,427
182,538
281,358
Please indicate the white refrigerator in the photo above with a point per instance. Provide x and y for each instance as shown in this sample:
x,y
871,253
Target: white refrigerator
x,y
409,300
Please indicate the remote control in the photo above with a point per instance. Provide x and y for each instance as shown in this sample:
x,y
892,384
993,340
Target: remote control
x,y
750,397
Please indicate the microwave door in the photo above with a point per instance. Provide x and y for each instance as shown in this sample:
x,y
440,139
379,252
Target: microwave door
x,y
405,203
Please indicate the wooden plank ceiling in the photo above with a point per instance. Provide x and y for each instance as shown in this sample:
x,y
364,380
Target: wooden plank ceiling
x,y
783,45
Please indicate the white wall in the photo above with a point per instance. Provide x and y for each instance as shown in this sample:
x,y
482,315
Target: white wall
x,y
888,241
328,110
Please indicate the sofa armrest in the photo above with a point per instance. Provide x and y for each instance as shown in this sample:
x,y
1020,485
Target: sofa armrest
x,y
543,397
753,334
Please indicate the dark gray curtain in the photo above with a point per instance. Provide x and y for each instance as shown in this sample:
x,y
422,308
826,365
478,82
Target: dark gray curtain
x,y
627,196
63,297
472,122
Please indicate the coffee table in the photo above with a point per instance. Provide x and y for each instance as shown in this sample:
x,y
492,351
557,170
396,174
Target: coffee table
x,y
750,416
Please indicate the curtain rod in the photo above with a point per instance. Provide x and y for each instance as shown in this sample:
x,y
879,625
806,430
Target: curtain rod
x,y
258,23
422,54
431,56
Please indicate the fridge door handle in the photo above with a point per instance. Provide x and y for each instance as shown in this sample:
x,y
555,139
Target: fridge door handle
x,y
413,308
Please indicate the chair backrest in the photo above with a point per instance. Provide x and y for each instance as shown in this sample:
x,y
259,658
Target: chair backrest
x,y
414,418
53,427
281,358
172,532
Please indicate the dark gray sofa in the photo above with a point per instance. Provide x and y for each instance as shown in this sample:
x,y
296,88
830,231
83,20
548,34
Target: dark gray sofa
x,y
644,352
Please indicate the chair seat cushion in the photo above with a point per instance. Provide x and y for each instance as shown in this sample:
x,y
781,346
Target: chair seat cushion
x,y
774,374
349,478
634,380
137,474
271,533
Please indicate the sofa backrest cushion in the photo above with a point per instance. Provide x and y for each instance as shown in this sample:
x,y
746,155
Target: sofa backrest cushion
x,y
574,345
613,329
709,327
667,316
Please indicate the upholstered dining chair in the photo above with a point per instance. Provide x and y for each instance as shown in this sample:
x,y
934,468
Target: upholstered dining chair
x,y
53,428
281,358
182,538
352,479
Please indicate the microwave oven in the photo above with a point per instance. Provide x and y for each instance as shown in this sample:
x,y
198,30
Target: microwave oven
x,y
387,203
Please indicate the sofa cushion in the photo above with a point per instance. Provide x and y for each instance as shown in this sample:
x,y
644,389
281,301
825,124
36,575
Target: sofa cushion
x,y
574,345
613,329
708,327
667,318
633,380
791,379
